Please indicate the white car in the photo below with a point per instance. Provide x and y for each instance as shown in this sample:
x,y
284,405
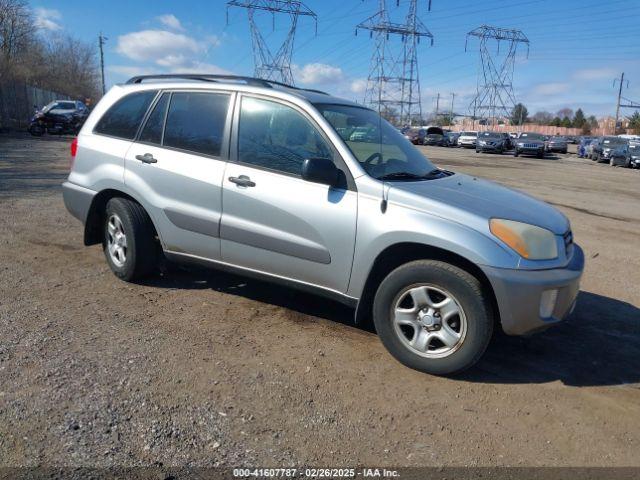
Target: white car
x,y
468,139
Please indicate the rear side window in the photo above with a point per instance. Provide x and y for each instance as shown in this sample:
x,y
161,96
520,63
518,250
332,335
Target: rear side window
x,y
123,118
152,130
195,122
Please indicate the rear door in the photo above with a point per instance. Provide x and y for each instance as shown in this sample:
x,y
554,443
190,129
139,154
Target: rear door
x,y
274,221
177,164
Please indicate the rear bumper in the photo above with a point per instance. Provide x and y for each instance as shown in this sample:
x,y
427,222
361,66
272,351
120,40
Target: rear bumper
x,y
557,149
77,199
519,294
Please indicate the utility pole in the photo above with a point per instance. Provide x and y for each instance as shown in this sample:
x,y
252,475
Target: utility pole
x,y
437,105
101,41
615,126
453,98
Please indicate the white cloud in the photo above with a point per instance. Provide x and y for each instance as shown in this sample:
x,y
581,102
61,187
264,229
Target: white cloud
x,y
47,19
595,74
318,74
159,46
171,21
358,86
553,88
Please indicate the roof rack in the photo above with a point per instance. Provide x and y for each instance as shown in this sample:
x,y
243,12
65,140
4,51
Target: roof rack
x,y
207,77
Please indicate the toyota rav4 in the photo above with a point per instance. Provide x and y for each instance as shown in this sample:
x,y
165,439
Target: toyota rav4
x,y
266,180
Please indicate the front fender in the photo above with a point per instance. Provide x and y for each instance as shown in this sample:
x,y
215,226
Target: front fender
x,y
378,231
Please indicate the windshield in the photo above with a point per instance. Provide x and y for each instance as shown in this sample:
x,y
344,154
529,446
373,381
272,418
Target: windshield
x,y
489,134
59,106
614,141
469,134
532,136
380,149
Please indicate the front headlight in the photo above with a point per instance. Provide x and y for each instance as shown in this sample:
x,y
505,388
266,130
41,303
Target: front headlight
x,y
531,242
482,142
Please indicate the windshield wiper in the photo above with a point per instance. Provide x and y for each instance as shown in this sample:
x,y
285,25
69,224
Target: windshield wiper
x,y
409,176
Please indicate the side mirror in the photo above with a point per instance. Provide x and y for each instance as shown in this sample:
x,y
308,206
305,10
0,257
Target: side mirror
x,y
320,170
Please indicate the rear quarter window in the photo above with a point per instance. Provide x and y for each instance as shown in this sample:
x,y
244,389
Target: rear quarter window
x,y
124,117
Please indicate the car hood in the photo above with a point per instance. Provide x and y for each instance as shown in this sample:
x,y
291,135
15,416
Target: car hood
x,y
60,111
473,201
532,141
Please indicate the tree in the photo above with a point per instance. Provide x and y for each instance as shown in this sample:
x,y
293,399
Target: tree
x,y
566,122
634,121
564,112
579,119
16,31
593,122
542,118
519,114
556,122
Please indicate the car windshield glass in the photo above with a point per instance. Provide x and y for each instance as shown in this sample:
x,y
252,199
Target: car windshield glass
x,y
60,106
531,136
489,134
469,134
558,139
380,149
614,141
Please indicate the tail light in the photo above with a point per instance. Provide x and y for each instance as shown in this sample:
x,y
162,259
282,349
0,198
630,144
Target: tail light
x,y
74,150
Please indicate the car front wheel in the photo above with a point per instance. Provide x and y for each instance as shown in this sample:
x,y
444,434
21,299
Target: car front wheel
x,y
433,317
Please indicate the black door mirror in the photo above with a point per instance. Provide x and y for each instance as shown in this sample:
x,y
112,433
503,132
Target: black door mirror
x,y
320,170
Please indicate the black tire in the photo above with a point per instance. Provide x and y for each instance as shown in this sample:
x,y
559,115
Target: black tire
x,y
477,151
469,294
141,248
516,153
540,155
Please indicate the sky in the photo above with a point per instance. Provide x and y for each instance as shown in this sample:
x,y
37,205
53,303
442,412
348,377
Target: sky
x,y
577,47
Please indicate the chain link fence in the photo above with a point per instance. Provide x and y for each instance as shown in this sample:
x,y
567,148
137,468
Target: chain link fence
x,y
18,101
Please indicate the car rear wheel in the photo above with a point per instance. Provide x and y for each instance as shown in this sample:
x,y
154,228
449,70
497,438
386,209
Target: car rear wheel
x,y
433,317
516,153
129,239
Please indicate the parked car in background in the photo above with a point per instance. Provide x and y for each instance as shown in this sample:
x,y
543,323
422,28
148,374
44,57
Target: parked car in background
x,y
450,139
467,139
256,179
634,151
620,156
434,136
605,147
416,135
530,143
60,117
582,146
492,142
593,145
557,144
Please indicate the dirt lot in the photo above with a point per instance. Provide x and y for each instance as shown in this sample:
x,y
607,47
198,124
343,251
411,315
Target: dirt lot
x,y
204,369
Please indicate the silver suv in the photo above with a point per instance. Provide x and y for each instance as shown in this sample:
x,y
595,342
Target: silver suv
x,y
255,177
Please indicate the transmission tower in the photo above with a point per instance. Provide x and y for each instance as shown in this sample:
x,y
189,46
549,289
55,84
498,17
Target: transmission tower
x,y
495,98
267,65
393,84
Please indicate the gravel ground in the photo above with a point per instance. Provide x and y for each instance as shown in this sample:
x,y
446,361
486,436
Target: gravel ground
x,y
199,368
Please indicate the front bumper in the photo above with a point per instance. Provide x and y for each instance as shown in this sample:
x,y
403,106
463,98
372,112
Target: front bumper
x,y
489,148
77,199
557,148
519,294
467,143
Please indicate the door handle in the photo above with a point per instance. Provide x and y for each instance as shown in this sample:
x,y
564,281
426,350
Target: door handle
x,y
242,181
146,158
